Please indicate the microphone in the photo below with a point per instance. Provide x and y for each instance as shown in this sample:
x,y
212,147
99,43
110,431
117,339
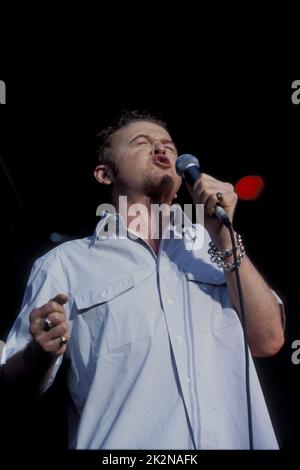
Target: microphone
x,y
188,167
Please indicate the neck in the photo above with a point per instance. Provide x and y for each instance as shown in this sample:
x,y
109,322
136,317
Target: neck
x,y
141,214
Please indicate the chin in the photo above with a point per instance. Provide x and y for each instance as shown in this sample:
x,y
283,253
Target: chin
x,y
162,188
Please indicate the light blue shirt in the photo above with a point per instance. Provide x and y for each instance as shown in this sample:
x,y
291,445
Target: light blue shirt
x,y
156,349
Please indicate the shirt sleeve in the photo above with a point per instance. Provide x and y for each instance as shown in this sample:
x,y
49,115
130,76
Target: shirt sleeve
x,y
46,280
282,310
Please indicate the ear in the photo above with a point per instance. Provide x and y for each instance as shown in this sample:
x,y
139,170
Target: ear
x,y
103,174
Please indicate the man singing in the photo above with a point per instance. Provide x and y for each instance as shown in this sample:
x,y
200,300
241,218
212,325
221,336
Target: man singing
x,y
149,323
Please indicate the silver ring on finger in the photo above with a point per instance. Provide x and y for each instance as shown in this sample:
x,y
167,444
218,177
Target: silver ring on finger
x,y
62,340
48,324
220,196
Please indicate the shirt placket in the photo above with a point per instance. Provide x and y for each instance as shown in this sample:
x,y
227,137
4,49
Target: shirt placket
x,y
174,299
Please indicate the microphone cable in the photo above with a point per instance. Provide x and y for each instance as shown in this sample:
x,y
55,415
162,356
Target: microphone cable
x,y
244,326
187,166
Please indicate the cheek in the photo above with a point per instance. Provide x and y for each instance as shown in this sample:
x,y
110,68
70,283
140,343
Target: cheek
x,y
130,168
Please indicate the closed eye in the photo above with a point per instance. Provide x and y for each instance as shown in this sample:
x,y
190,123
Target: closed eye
x,y
141,141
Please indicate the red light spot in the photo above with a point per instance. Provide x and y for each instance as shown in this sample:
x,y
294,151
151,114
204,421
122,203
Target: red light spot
x,y
249,188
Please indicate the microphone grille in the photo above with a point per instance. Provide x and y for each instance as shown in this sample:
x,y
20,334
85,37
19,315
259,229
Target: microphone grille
x,y
184,161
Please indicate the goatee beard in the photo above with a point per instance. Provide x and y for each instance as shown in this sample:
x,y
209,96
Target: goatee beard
x,y
162,191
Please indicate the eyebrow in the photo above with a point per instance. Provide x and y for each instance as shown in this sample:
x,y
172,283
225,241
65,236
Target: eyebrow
x,y
148,137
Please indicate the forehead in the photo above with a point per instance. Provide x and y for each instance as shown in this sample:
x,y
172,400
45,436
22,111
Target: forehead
x,y
125,134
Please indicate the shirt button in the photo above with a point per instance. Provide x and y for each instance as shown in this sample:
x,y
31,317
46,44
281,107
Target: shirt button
x,y
188,380
170,301
179,338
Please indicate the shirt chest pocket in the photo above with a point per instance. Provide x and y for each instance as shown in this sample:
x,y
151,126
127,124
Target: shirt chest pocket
x,y
112,314
210,303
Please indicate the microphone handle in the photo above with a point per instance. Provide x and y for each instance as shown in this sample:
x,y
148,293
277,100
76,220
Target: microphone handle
x,y
191,174
222,215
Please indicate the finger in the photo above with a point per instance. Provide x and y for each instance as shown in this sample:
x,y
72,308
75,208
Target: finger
x,y
229,198
60,344
54,305
57,331
36,326
61,299
39,317
35,315
63,341
214,188
56,346
205,180
51,307
55,318
202,194
211,203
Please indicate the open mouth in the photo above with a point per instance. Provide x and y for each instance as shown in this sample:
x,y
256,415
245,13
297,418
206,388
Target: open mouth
x,y
162,161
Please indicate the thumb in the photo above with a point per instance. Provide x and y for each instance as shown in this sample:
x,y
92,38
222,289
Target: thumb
x,y
61,299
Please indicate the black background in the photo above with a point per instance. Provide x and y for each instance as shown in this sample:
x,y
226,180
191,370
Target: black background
x,y
236,126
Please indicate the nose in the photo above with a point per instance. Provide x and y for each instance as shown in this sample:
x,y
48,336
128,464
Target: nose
x,y
158,147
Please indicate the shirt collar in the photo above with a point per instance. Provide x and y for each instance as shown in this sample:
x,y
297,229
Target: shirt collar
x,y
179,222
